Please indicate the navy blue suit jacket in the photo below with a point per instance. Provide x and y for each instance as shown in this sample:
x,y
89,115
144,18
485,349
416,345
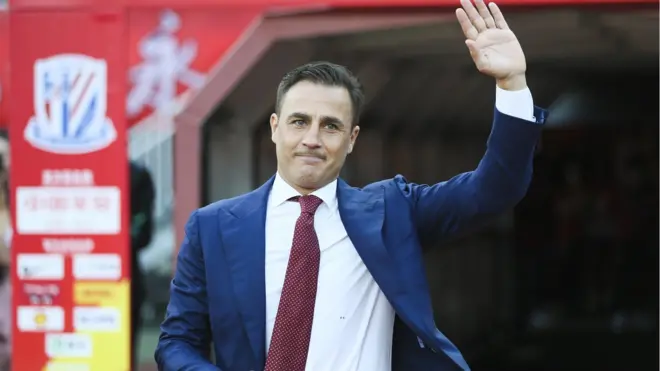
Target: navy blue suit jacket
x,y
218,290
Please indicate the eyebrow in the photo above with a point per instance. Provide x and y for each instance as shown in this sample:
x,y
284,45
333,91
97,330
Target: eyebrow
x,y
324,119
300,115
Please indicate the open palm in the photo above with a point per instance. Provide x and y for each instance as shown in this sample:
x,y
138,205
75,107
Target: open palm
x,y
493,46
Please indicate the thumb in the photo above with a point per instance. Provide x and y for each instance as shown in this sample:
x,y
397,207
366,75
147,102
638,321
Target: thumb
x,y
472,46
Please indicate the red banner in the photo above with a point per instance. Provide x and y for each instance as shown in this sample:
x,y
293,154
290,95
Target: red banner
x,y
171,52
69,192
296,4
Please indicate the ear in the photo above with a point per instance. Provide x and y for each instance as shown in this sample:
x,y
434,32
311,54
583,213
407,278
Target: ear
x,y
354,134
273,126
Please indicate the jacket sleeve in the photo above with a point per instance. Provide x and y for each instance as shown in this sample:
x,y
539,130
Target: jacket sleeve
x,y
185,338
499,182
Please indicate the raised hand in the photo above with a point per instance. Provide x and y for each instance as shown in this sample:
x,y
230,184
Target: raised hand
x,y
493,46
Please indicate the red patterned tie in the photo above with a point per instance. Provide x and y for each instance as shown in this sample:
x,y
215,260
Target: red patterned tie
x,y
293,323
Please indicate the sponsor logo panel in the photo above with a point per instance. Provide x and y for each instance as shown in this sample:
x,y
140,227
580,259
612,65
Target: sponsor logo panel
x,y
97,267
95,319
40,266
69,345
39,319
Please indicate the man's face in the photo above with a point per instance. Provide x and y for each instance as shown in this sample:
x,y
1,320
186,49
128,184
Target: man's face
x,y
313,134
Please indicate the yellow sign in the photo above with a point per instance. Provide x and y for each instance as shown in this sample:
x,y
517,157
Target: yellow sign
x,y
100,293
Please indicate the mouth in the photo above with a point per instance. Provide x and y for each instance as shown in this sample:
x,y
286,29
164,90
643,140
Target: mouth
x,y
310,159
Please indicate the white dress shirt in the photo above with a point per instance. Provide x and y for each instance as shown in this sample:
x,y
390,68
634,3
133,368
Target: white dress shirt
x,y
353,321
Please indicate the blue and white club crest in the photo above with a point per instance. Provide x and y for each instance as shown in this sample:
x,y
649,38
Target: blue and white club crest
x,y
70,101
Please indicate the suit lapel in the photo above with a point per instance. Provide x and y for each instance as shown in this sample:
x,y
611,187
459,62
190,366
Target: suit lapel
x,y
363,215
243,235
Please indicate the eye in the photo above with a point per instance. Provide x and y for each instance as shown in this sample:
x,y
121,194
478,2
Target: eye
x,y
332,126
298,123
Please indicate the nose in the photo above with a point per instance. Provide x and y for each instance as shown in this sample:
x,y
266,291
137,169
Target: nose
x,y
311,139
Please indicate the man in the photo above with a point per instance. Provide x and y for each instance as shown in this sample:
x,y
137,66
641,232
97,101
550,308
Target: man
x,y
142,205
308,273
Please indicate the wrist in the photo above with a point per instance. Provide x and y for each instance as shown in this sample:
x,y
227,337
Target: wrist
x,y
513,83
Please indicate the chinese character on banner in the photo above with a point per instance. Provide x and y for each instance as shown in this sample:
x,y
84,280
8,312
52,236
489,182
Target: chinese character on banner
x,y
166,63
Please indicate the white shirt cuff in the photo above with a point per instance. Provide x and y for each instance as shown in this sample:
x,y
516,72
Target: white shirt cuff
x,y
518,104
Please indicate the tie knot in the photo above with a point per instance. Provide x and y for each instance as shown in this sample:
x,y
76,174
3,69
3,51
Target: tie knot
x,y
309,203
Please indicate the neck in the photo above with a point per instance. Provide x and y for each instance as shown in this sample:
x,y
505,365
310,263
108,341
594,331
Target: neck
x,y
303,190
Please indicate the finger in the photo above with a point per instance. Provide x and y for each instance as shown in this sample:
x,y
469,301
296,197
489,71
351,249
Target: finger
x,y
469,30
497,16
474,16
485,13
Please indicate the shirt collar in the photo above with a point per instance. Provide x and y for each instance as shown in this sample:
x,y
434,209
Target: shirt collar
x,y
282,192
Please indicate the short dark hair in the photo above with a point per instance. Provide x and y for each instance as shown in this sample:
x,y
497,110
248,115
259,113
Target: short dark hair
x,y
324,73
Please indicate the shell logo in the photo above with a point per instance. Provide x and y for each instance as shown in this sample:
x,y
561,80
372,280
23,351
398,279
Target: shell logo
x,y
40,319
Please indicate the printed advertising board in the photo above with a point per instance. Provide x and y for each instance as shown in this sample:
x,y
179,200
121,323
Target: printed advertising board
x,y
69,200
